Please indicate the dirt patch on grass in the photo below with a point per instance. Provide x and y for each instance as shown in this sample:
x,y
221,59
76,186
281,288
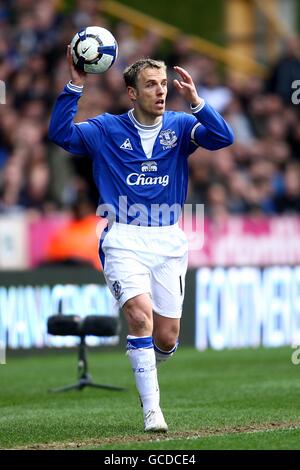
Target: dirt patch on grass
x,y
155,437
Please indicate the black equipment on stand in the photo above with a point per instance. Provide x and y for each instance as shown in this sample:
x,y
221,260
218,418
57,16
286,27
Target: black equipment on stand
x,y
74,325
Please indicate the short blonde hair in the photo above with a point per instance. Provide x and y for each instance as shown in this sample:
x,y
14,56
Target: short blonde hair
x,y
131,72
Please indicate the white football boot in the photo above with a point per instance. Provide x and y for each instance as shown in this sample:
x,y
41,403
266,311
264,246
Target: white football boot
x,y
155,422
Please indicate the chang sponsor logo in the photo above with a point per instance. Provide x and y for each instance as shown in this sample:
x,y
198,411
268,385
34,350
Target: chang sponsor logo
x,y
140,179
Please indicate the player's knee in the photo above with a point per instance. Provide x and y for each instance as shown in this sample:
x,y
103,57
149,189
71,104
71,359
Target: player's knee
x,y
138,319
166,340
140,323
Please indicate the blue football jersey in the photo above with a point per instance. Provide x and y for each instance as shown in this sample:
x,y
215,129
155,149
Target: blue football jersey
x,y
132,187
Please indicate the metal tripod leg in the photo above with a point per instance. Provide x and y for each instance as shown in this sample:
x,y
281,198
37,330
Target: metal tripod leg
x,y
85,379
108,387
66,388
82,384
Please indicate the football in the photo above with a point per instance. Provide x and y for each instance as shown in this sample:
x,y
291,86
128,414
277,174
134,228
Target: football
x,y
94,49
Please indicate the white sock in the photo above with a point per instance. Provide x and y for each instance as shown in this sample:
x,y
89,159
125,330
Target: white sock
x,y
142,357
163,356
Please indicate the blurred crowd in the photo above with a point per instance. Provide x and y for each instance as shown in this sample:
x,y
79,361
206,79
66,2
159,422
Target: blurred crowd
x,y
259,174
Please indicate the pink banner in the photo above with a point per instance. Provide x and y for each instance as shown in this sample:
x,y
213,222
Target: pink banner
x,y
240,241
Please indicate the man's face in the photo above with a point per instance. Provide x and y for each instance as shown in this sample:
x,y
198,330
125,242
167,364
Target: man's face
x,y
151,91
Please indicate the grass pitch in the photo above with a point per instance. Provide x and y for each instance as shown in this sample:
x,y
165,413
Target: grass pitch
x,y
239,399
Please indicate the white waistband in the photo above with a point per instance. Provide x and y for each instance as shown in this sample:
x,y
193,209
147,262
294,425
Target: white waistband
x,y
136,229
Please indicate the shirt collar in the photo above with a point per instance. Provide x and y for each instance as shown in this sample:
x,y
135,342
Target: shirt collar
x,y
143,126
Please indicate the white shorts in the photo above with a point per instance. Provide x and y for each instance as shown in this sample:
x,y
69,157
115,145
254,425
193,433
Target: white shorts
x,y
152,260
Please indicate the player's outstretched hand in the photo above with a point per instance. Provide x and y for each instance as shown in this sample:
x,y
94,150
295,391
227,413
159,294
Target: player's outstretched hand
x,y
186,87
77,77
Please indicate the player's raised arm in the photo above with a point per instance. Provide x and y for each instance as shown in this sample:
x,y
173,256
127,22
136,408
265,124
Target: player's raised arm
x,y
72,137
88,56
214,133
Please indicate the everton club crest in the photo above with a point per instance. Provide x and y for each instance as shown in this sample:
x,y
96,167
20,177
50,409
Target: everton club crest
x,y
117,289
168,139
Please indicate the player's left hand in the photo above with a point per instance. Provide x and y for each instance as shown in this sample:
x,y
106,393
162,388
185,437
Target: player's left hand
x,y
186,87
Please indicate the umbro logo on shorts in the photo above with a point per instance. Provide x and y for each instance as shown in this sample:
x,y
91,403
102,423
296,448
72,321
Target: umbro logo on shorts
x,y
126,145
